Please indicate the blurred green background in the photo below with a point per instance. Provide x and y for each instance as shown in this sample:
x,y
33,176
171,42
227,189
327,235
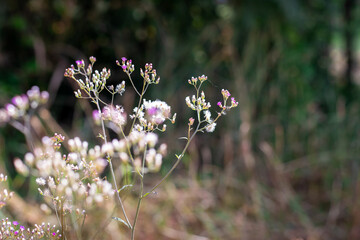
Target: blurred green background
x,y
283,165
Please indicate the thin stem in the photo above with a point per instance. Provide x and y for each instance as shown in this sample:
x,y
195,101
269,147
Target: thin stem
x,y
175,164
138,107
140,196
133,84
112,168
137,209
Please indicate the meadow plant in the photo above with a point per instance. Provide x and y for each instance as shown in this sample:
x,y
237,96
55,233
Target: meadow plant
x,y
73,183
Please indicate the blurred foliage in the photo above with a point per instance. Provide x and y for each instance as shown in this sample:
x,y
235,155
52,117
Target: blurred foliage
x,y
287,163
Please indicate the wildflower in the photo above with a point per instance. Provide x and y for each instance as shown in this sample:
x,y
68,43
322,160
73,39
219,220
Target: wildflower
x,y
234,103
226,94
115,114
207,115
157,111
210,127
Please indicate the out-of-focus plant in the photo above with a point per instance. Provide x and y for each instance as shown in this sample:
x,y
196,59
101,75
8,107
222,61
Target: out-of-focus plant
x,y
72,183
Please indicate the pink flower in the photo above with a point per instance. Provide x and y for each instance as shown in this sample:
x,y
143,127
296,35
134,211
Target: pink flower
x,y
115,114
157,111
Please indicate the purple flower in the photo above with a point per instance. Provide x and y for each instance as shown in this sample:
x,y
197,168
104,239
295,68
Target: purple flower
x,y
15,223
80,63
16,233
123,67
22,228
123,59
54,234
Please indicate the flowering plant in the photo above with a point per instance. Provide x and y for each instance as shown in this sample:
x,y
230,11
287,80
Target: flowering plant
x,y
72,183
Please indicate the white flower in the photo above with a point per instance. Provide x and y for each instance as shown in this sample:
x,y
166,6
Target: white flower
x,y
40,181
207,114
210,127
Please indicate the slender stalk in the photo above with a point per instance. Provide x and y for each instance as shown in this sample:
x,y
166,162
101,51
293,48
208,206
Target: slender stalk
x,y
112,168
132,83
140,196
176,163
137,209
139,104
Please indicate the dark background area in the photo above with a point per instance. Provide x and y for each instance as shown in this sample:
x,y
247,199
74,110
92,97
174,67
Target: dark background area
x,y
284,164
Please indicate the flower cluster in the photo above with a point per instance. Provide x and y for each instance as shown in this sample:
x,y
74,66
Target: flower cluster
x,y
126,65
151,114
115,114
226,94
71,181
13,230
73,184
143,145
21,104
198,103
92,82
5,195
149,72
